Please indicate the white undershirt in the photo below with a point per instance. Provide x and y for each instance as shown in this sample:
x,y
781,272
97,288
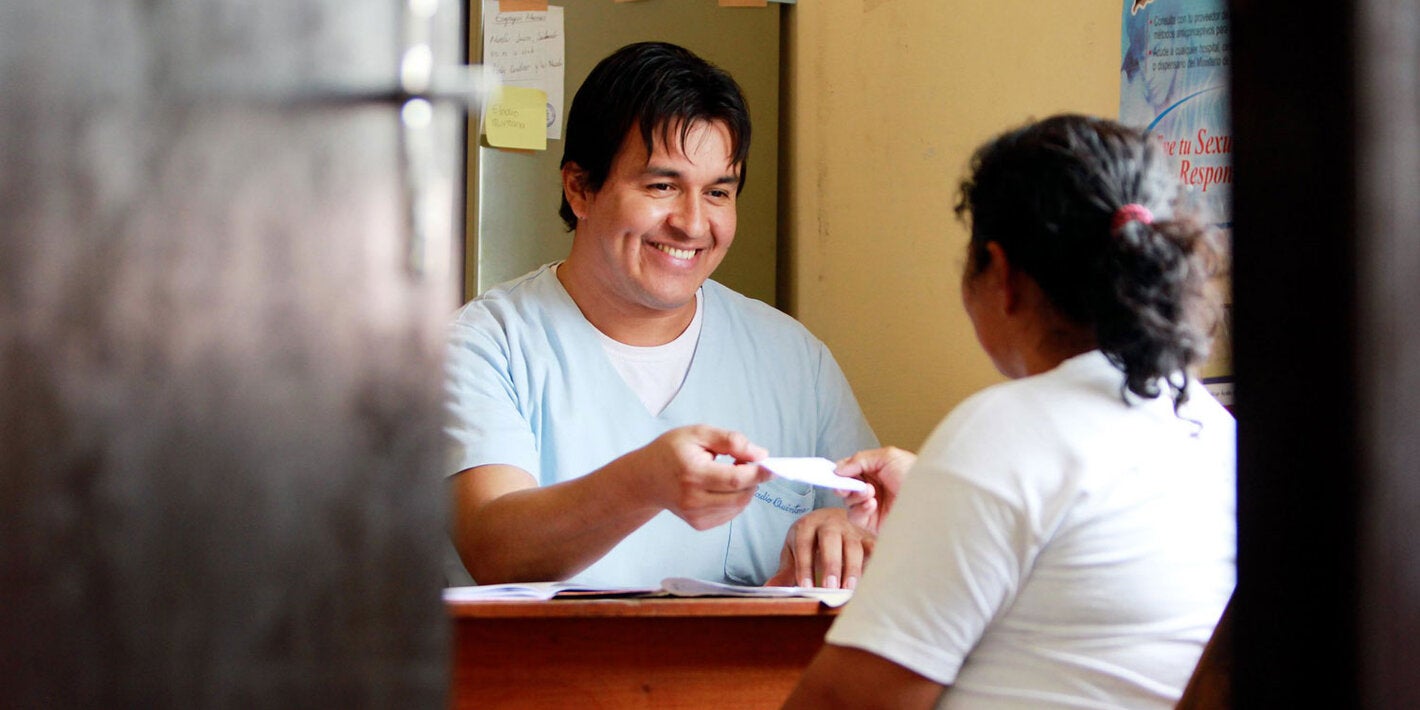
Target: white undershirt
x,y
656,373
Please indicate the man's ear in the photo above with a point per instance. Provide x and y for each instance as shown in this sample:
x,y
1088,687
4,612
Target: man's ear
x,y
574,188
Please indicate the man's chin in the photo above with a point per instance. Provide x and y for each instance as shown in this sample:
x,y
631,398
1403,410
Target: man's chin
x,y
674,293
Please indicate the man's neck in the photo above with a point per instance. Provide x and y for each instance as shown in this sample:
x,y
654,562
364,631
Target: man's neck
x,y
642,327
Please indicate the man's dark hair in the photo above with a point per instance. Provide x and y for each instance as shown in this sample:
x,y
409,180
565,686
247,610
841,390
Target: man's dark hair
x,y
654,86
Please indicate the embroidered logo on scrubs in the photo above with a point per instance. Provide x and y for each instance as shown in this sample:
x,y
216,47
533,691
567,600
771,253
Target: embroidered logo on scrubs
x,y
779,503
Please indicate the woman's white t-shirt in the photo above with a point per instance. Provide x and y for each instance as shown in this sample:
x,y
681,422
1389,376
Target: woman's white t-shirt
x,y
1057,547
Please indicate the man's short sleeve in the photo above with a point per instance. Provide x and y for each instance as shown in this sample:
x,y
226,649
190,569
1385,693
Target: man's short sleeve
x,y
486,419
843,429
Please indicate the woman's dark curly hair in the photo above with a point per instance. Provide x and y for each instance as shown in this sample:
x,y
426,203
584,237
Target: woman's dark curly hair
x,y
1047,194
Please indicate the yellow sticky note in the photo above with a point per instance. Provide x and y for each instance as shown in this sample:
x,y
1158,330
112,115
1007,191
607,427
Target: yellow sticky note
x,y
517,118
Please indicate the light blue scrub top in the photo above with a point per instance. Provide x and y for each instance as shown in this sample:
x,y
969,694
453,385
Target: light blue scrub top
x,y
530,385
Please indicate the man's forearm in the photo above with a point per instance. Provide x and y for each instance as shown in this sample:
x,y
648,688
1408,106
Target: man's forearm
x,y
507,529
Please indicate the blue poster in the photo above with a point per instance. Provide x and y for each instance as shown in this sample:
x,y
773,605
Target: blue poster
x,y
1173,78
1174,84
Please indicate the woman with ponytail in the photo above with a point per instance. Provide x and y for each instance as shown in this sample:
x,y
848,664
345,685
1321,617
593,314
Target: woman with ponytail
x,y
1067,538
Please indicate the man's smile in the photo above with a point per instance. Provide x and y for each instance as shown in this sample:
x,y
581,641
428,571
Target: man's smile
x,y
675,252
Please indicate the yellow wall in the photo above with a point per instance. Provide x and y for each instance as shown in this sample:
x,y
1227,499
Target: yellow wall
x,y
883,102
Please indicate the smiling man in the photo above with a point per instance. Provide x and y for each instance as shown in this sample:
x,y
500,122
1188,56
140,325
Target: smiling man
x,y
606,411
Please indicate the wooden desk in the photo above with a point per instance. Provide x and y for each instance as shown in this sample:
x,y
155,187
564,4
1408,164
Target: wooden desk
x,y
633,653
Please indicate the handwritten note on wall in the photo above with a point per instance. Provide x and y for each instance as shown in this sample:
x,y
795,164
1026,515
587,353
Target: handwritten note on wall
x,y
514,119
528,49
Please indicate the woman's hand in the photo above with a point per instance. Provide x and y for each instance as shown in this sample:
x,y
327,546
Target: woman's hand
x,y
884,469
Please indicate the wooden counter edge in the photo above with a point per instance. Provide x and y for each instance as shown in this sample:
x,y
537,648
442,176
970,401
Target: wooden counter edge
x,y
640,606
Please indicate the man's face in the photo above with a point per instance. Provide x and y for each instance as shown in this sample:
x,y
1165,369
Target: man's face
x,y
660,223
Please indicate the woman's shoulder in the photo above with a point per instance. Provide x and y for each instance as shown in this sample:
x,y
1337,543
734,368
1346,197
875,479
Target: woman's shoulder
x,y
1039,425
1027,403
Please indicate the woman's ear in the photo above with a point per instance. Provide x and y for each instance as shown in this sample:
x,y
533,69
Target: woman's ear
x,y
574,188
1002,275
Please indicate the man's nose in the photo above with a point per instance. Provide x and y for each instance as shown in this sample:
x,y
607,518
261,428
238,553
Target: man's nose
x,y
689,217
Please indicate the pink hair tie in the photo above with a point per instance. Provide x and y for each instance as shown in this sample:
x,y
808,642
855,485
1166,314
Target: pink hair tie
x,y
1132,212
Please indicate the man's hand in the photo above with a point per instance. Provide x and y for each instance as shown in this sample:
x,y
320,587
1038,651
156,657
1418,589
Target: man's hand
x,y
823,549
884,469
680,474
507,528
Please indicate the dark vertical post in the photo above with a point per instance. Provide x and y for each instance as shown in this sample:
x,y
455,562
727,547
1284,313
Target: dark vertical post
x,y
1295,243
219,383
1387,70
1327,245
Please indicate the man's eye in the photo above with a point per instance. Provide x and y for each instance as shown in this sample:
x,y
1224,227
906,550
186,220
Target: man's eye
x,y
720,194
660,186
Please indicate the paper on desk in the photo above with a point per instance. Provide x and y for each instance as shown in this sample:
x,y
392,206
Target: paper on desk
x,y
688,587
537,590
811,469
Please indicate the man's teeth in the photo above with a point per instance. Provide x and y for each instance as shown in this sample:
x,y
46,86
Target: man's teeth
x,y
677,253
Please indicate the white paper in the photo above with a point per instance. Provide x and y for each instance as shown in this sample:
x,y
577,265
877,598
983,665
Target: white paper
x,y
687,587
534,590
528,49
811,469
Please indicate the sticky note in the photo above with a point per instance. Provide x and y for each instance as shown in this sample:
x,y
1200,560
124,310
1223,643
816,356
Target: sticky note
x,y
517,118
